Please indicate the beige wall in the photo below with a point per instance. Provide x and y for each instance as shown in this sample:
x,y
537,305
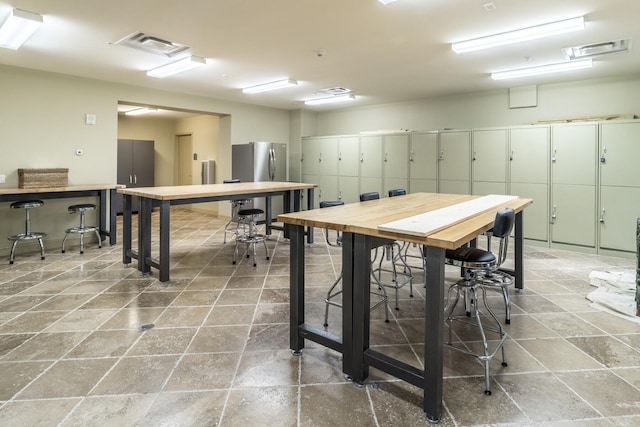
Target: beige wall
x,y
42,123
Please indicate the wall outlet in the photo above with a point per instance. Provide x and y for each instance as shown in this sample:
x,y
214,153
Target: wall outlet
x,y
2,179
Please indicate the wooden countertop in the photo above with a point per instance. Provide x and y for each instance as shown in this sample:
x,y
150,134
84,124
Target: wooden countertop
x,y
176,192
59,189
365,217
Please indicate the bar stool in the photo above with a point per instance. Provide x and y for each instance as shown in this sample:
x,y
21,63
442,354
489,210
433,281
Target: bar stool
x,y
82,229
391,251
480,272
248,233
27,205
334,290
232,227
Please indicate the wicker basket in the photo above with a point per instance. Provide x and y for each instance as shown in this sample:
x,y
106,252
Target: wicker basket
x,y
43,178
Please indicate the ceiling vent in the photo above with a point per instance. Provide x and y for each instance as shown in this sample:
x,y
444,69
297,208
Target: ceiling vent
x,y
152,44
334,91
597,49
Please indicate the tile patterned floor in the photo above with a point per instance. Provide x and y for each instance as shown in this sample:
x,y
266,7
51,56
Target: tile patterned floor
x,y
85,341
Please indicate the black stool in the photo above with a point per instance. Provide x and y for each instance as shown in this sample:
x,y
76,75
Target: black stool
x,y
82,229
28,234
249,234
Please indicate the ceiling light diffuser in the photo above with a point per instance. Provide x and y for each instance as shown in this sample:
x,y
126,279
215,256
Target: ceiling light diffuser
x,y
180,66
517,36
18,27
139,111
331,99
385,2
542,69
280,84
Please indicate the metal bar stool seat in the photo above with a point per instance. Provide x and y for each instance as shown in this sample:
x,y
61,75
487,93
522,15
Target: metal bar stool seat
x,y
27,205
83,228
249,233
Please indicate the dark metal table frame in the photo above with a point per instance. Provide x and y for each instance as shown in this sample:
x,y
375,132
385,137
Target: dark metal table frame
x,y
357,357
101,193
291,203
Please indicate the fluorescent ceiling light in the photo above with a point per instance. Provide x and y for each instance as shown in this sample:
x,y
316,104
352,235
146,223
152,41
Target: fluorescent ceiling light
x,y
542,69
184,64
18,27
280,84
385,2
139,111
524,34
331,99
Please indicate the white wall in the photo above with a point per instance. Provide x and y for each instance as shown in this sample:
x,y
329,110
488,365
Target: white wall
x,y
488,109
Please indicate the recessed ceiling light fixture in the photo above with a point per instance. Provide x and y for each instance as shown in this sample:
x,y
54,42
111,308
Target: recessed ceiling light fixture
x,y
517,36
331,99
385,2
18,27
265,87
139,111
542,69
182,65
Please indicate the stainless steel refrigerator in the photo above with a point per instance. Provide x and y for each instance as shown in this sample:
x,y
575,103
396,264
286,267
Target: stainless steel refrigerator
x,y
260,161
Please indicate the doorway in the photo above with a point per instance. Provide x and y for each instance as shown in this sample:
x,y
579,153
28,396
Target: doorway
x,y
185,160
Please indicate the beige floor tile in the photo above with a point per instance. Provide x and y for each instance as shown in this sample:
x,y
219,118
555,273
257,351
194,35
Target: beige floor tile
x,y
93,342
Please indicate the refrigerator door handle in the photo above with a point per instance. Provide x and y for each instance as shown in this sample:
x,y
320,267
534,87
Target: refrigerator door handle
x,y
272,164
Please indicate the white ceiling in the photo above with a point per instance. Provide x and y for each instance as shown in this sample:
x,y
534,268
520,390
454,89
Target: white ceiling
x,y
398,52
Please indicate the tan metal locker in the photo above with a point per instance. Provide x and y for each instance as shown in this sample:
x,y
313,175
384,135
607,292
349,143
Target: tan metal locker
x,y
489,161
396,162
423,162
454,162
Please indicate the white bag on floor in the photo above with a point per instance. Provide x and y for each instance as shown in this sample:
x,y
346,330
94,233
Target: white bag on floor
x,y
615,293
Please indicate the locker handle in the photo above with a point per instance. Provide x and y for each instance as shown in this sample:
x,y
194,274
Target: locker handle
x,y
553,215
602,217
130,179
511,157
555,154
411,157
441,157
340,156
386,157
320,158
603,159
361,157
474,156
135,179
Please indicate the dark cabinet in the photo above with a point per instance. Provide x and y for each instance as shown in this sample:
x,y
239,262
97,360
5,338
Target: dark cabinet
x,y
135,167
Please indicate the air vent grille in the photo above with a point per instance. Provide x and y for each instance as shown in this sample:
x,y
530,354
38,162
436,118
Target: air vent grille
x,y
334,91
152,44
597,49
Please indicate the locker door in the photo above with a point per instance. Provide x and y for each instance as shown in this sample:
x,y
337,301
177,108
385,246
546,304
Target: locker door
x,y
454,166
490,155
370,164
423,163
320,156
348,156
573,215
529,154
574,154
618,225
619,152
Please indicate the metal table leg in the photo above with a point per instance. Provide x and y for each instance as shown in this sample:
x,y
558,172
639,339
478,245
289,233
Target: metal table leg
x,y
144,235
434,325
296,286
165,213
126,229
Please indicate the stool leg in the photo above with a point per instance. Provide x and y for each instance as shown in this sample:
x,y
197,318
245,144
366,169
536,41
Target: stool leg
x,y
41,248
64,241
81,243
13,251
99,238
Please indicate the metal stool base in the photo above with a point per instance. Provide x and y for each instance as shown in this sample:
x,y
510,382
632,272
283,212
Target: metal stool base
x,y
26,236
